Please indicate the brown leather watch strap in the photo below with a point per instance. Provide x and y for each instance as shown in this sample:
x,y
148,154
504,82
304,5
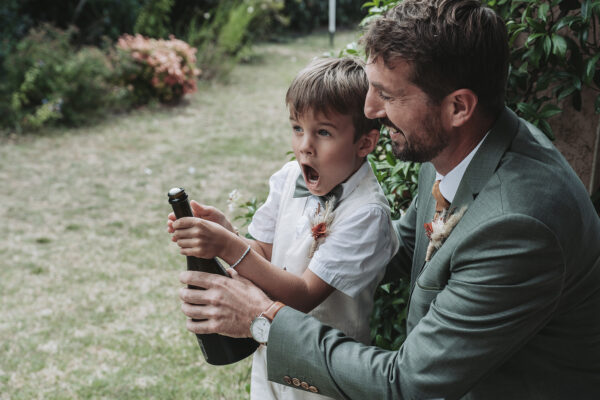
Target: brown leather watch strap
x,y
273,310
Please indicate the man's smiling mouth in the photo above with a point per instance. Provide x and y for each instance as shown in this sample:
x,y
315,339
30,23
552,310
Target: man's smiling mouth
x,y
391,128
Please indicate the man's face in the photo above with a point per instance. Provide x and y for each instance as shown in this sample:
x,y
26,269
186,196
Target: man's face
x,y
413,120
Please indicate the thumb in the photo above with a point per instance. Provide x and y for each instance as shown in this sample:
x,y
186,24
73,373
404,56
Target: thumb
x,y
198,209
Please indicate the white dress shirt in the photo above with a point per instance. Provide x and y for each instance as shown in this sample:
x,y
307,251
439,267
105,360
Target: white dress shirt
x,y
449,182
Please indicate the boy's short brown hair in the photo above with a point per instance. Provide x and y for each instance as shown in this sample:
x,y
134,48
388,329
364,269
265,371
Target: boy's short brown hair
x,y
332,85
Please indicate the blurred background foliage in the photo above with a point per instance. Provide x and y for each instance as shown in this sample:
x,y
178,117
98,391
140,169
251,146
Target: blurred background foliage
x,y
60,63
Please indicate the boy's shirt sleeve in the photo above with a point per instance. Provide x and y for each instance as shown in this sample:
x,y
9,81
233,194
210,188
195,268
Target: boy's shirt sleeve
x,y
262,227
355,254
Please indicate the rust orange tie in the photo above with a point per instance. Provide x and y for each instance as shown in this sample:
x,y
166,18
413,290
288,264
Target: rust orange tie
x,y
440,202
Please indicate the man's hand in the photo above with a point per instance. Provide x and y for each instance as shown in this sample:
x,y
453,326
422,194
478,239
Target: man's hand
x,y
227,306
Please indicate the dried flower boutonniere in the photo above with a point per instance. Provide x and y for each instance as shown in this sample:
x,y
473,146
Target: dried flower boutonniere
x,y
439,229
319,226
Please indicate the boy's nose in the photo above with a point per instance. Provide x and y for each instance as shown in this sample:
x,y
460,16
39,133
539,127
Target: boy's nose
x,y
306,145
373,105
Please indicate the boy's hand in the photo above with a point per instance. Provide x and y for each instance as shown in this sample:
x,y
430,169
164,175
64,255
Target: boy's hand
x,y
205,212
202,238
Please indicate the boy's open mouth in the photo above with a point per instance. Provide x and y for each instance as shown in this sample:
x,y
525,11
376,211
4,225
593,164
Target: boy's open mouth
x,y
311,176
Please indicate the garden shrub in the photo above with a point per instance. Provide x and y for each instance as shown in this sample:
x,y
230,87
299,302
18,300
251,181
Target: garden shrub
x,y
224,32
304,16
161,69
154,19
94,19
49,81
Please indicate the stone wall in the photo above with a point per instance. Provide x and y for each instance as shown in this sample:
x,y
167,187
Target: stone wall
x,y
576,138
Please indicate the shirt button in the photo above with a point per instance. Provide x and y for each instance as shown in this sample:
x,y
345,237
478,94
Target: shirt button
x,y
296,382
313,389
287,380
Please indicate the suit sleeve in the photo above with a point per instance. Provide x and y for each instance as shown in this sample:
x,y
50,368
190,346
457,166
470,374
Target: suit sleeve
x,y
505,282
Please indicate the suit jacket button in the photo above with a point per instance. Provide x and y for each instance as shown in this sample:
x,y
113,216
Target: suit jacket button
x,y
313,389
296,382
304,385
287,380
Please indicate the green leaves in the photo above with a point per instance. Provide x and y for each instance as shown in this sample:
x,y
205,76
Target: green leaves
x,y
553,55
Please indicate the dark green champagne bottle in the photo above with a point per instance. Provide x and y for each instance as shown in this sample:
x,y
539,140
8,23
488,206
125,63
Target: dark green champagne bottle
x,y
217,349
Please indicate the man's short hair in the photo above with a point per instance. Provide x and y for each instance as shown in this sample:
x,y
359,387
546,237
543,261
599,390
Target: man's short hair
x,y
332,85
450,45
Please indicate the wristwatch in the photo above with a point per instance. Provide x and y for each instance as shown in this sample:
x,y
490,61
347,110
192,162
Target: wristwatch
x,y
260,326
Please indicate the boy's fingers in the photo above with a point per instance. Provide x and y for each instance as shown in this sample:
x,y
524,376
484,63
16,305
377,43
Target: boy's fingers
x,y
184,223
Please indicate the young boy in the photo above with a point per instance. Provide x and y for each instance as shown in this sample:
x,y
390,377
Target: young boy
x,y
324,235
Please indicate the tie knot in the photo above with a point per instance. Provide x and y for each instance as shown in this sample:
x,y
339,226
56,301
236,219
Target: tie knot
x,y
440,202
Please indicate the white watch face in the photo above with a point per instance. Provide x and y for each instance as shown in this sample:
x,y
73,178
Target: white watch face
x,y
260,329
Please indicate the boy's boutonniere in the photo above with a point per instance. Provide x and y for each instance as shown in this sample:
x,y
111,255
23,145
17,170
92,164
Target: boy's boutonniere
x,y
319,226
439,229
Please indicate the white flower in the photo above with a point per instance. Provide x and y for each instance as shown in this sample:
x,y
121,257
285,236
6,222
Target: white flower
x,y
232,200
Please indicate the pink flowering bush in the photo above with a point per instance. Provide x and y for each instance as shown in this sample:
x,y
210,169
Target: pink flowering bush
x,y
157,68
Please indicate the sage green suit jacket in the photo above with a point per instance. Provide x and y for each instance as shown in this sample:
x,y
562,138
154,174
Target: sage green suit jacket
x,y
507,308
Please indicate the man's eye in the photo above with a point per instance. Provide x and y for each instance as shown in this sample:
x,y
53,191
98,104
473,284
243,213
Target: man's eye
x,y
324,132
383,96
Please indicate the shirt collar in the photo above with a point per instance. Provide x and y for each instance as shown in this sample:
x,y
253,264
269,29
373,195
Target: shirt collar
x,y
449,182
352,182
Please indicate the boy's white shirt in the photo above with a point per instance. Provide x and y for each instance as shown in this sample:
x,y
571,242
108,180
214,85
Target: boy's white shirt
x,y
367,240
351,258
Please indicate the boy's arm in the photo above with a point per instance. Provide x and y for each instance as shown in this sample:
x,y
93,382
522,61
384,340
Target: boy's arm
x,y
206,239
300,292
262,248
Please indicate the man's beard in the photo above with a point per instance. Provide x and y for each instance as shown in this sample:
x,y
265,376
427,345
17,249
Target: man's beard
x,y
420,150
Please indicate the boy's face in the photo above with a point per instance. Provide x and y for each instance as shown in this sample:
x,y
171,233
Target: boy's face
x,y
325,149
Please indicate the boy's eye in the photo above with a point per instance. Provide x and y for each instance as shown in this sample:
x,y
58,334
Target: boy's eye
x,y
297,128
383,96
323,132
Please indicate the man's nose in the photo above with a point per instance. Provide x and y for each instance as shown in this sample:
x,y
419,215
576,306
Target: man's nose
x,y
373,105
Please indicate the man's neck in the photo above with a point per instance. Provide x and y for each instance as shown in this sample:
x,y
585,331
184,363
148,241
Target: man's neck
x,y
464,140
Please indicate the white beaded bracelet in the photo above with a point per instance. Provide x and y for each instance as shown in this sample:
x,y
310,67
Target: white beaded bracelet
x,y
241,258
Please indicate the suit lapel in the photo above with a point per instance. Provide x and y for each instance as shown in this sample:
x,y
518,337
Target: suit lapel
x,y
480,170
486,160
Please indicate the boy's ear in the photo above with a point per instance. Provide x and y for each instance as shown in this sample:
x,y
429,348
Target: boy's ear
x,y
368,142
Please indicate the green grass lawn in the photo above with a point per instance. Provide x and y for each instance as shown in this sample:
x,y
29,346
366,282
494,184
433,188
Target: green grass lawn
x,y
88,275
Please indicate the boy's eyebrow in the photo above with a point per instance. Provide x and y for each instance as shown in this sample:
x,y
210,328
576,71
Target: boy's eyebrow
x,y
326,123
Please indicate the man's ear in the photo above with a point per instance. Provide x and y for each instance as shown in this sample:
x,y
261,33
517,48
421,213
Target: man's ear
x,y
368,142
459,107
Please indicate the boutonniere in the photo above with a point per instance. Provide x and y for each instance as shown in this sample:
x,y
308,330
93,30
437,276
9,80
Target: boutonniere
x,y
439,229
319,226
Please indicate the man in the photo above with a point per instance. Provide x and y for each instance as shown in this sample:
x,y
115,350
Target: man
x,y
504,255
